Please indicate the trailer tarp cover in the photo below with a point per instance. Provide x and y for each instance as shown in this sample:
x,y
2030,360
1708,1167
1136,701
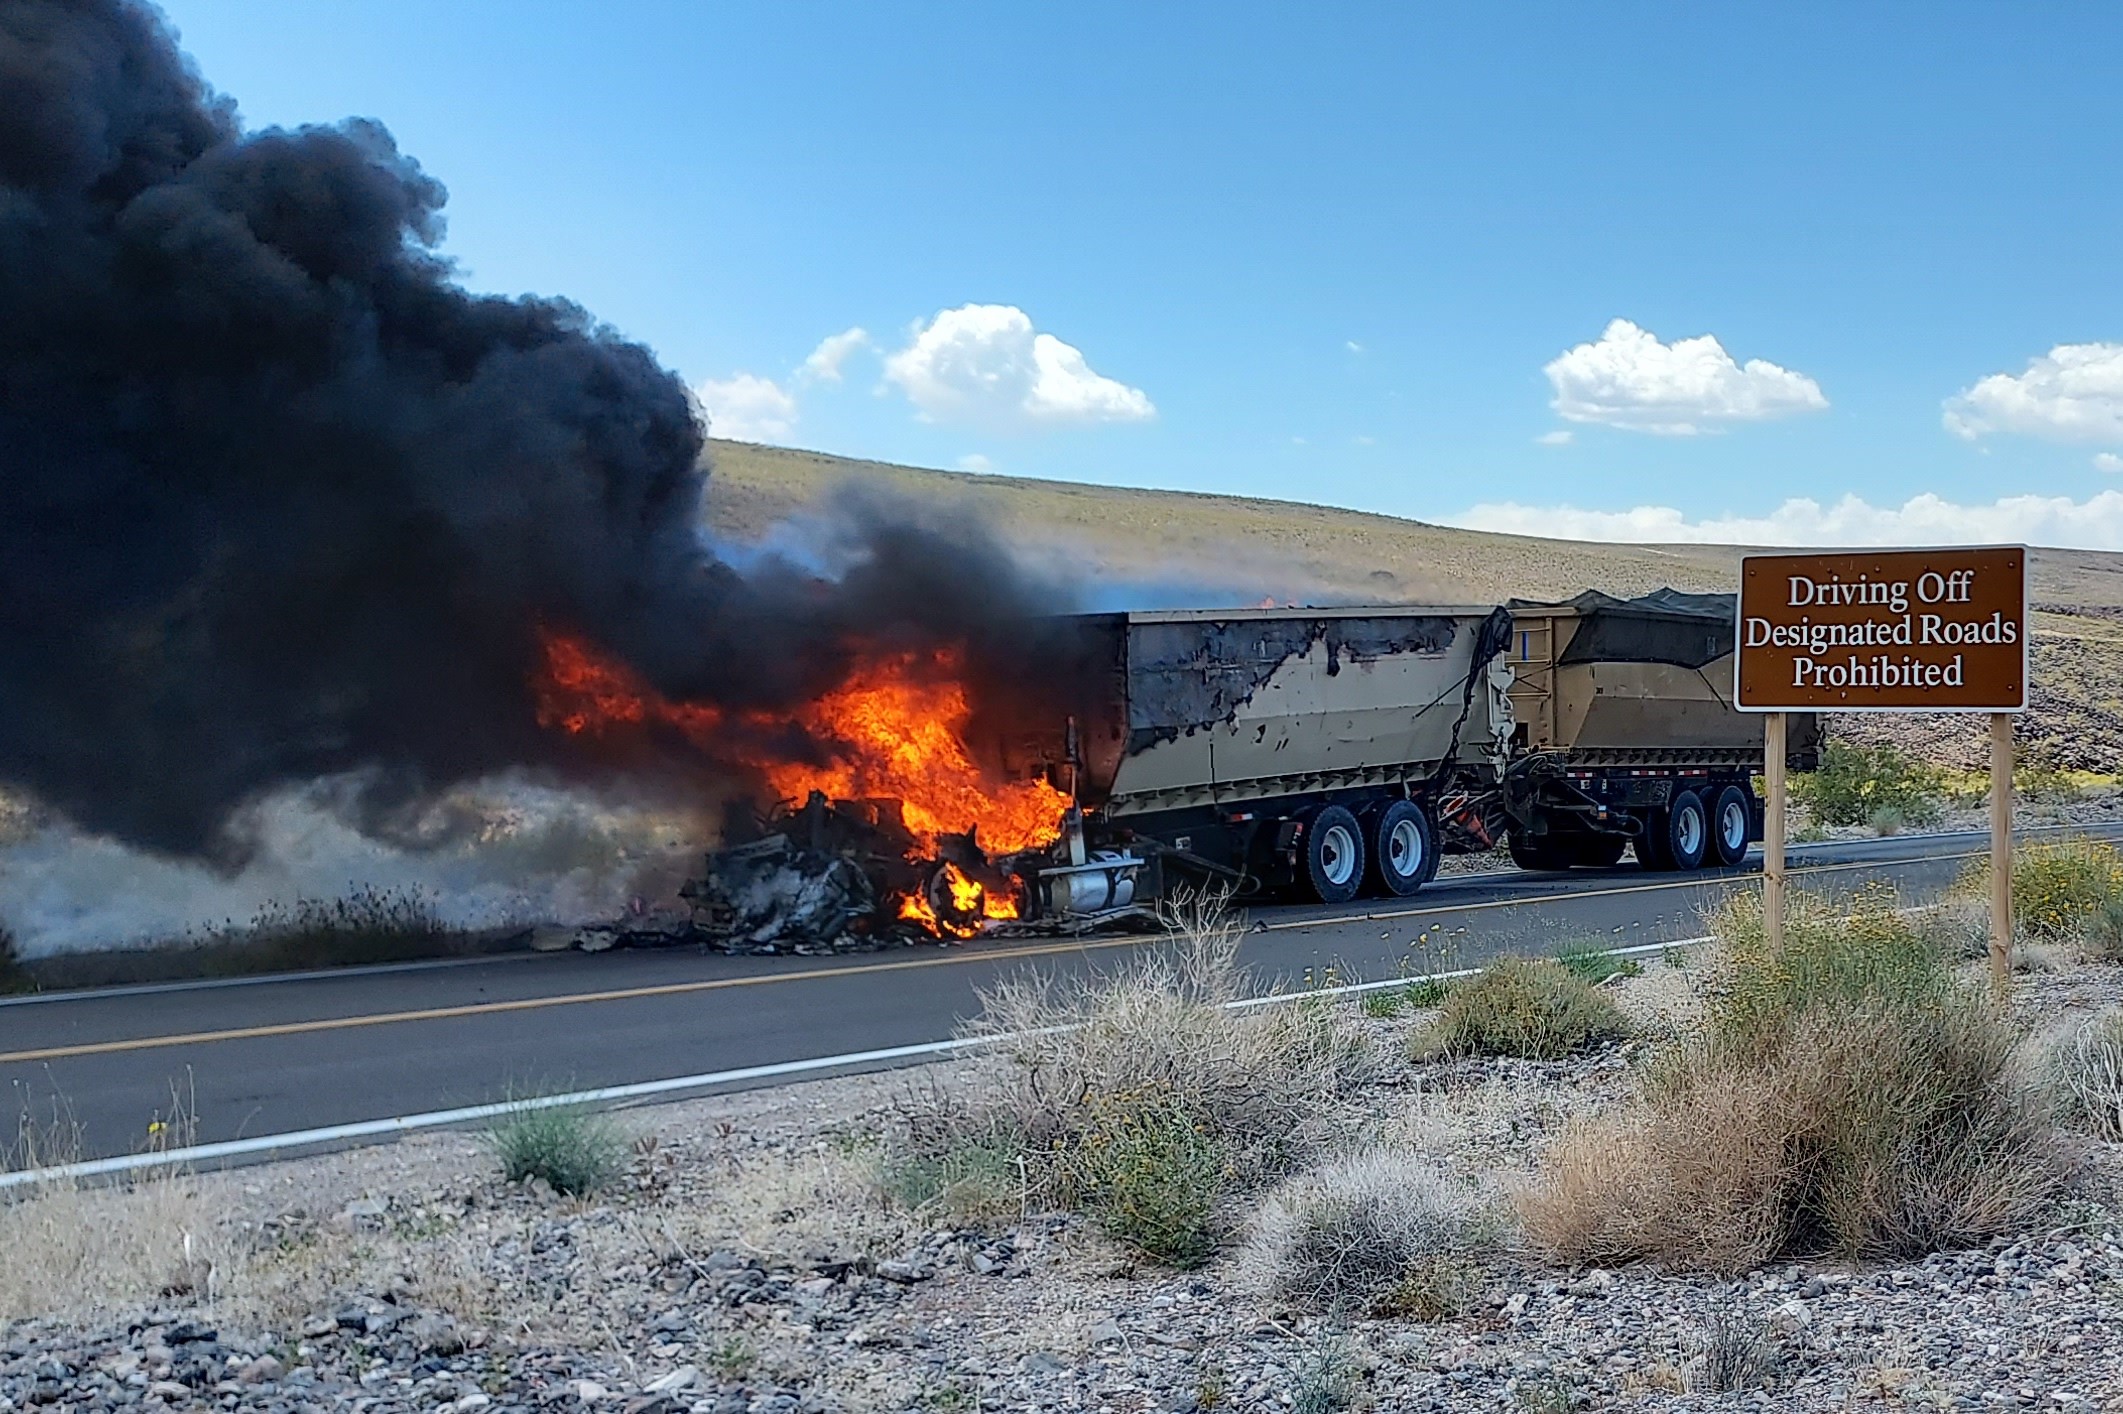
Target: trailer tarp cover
x,y
1664,626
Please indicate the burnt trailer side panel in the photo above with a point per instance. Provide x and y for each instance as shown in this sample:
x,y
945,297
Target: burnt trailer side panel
x,y
1626,736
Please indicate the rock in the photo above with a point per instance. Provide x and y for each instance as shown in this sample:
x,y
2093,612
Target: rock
x,y
190,1333
362,1208
588,1391
1107,1332
318,1326
903,1272
473,1402
352,1318
263,1370
435,1335
682,1378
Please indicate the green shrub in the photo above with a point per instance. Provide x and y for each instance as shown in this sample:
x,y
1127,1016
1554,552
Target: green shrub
x,y
1419,995
576,1151
1327,1379
2050,784
1537,1010
1738,1355
1855,781
1887,820
2104,931
1834,954
1848,1096
2058,886
970,1175
1152,1174
1596,964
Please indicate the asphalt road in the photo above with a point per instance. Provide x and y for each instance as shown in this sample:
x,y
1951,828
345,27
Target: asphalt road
x,y
268,1056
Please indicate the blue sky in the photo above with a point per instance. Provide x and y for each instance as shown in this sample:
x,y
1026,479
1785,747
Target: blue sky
x,y
1372,260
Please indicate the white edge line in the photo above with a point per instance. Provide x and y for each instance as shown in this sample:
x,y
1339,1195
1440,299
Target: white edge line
x,y
613,1094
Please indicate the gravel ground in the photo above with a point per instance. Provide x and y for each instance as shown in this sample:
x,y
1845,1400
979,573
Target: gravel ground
x,y
748,1264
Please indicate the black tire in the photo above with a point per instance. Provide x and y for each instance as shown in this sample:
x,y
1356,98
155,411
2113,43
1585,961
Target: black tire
x,y
1403,849
1598,851
1541,853
1683,832
1334,855
1731,821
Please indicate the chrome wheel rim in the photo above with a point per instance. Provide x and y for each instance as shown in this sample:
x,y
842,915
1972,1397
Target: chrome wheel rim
x,y
1688,833
1735,826
1337,854
1404,848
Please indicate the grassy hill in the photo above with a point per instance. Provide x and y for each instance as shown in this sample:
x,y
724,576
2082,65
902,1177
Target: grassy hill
x,y
1239,549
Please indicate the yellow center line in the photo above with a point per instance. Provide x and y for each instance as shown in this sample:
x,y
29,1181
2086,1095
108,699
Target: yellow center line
x,y
718,984
621,994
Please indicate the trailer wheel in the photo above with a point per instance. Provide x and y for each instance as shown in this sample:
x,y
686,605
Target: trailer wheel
x,y
1334,855
1403,848
1731,820
1683,833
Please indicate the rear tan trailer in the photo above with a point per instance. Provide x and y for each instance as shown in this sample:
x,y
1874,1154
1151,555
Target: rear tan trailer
x,y
1625,734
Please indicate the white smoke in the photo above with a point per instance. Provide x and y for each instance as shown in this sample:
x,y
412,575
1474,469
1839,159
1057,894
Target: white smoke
x,y
506,853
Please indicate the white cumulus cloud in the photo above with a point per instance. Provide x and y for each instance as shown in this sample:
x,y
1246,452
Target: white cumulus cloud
x,y
974,461
2107,461
985,363
1560,437
2073,393
823,364
747,408
2095,523
1631,380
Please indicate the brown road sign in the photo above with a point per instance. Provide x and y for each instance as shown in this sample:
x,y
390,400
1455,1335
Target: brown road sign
x,y
1884,631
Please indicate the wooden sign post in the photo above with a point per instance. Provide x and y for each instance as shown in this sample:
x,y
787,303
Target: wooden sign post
x,y
1886,631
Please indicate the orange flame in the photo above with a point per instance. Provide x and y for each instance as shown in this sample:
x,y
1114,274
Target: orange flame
x,y
971,905
894,728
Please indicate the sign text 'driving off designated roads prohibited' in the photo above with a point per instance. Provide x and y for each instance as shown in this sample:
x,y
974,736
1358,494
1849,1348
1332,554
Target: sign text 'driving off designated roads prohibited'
x,y
1884,631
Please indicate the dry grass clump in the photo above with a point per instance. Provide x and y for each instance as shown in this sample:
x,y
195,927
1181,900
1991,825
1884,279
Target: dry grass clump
x,y
71,1249
1846,1096
1383,1230
1140,1096
1541,1010
2088,1071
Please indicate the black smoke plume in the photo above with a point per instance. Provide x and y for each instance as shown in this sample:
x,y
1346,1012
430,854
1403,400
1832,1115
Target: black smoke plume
x,y
279,499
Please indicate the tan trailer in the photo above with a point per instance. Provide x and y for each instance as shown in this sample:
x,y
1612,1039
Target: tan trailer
x,y
1626,735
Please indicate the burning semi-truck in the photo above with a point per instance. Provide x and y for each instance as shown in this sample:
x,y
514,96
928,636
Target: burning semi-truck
x,y
1313,753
